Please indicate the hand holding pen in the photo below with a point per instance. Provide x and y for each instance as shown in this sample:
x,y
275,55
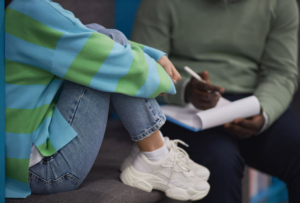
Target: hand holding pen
x,y
200,92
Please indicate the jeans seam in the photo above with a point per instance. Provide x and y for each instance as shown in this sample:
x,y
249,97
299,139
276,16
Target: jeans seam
x,y
56,181
149,131
152,108
77,104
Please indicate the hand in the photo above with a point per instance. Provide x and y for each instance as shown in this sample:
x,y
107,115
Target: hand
x,y
169,68
245,128
203,94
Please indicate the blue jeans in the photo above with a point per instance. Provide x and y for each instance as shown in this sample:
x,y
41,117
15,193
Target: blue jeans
x,y
86,110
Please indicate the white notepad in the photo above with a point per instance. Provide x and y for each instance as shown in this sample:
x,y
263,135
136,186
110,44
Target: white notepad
x,y
225,112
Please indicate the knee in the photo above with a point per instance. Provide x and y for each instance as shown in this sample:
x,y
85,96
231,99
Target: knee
x,y
118,36
115,35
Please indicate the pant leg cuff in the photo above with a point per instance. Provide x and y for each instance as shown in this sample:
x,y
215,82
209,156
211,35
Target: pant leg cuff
x,y
158,124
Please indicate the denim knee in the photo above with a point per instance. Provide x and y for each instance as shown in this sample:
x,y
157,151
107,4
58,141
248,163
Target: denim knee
x,y
115,35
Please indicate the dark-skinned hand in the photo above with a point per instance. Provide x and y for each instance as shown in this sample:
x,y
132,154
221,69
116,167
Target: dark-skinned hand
x,y
245,128
203,95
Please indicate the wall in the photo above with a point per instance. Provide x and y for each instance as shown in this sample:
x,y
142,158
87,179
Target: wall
x,y
91,11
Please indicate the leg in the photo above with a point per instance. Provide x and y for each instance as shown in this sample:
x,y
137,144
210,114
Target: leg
x,y
276,152
220,154
149,144
143,118
133,116
86,110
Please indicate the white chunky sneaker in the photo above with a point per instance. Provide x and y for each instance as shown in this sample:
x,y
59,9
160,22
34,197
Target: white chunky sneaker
x,y
199,170
170,175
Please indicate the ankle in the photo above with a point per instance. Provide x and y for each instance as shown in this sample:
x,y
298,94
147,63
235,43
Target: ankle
x,y
151,143
157,154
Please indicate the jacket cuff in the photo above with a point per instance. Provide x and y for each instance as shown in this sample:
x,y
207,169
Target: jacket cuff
x,y
265,124
154,53
177,99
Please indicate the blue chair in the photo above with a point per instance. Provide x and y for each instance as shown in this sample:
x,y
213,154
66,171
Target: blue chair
x,y
125,15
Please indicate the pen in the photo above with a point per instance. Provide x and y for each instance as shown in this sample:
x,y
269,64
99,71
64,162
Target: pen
x,y
196,76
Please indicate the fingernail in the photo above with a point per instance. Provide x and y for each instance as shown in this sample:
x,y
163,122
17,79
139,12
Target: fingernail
x,y
174,81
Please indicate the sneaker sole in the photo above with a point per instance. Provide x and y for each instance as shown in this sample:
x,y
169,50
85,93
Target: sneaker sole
x,y
128,161
147,182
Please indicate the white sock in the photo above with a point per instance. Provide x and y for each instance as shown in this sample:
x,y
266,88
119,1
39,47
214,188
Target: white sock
x,y
158,154
136,149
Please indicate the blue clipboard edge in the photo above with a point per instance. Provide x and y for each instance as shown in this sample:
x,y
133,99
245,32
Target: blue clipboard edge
x,y
2,105
172,120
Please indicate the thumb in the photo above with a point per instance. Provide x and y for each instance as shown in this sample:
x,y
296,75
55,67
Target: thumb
x,y
205,76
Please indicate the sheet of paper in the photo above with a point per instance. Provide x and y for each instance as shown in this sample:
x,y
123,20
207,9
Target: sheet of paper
x,y
242,108
187,115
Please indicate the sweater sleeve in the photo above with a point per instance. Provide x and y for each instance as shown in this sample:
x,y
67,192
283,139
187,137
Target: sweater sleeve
x,y
279,72
152,27
153,53
63,46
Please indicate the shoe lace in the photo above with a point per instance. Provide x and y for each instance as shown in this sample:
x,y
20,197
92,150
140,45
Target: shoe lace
x,y
182,152
177,158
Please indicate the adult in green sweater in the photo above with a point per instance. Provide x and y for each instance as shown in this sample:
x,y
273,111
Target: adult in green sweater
x,y
241,48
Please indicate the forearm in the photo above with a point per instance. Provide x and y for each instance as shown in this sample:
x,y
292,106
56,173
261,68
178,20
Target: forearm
x,y
278,67
275,95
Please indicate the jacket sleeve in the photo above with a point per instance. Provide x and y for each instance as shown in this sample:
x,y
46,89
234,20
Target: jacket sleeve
x,y
279,71
63,46
153,53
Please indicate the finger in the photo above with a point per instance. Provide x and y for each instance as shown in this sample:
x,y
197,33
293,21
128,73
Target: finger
x,y
207,87
203,105
167,65
176,75
251,123
239,131
226,125
162,94
205,76
205,96
236,121
168,69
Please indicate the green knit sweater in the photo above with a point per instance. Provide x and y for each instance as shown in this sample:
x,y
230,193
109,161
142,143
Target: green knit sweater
x,y
247,47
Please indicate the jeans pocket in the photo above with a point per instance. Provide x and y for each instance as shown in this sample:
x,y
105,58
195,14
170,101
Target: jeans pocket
x,y
41,186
